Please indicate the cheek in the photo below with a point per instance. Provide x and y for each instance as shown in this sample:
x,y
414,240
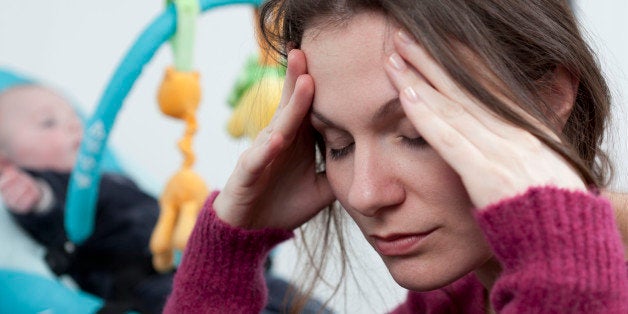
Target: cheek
x,y
339,177
32,145
21,146
435,181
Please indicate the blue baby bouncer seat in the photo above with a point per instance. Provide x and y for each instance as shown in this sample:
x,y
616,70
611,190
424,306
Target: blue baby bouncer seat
x,y
27,285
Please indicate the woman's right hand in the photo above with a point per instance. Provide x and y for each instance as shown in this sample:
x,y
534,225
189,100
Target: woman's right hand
x,y
275,184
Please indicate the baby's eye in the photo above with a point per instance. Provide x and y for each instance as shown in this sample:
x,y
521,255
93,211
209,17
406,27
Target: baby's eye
x,y
48,123
338,153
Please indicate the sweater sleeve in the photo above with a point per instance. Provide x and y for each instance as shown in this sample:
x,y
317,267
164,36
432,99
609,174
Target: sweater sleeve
x,y
561,252
222,267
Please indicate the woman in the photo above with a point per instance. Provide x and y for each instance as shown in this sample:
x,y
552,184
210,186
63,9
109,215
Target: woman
x,y
463,138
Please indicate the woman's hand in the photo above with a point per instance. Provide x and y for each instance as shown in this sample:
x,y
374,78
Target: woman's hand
x,y
494,159
275,183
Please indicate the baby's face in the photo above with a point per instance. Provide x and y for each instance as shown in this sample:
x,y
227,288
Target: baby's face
x,y
39,130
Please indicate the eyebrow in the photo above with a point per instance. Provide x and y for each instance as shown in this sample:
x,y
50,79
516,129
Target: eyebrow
x,y
387,109
390,107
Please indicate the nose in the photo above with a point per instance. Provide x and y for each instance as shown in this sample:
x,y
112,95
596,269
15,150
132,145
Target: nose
x,y
375,184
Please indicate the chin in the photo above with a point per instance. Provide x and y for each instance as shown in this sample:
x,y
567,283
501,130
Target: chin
x,y
62,168
427,283
418,275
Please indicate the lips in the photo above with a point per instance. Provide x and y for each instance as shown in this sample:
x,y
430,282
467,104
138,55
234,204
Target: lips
x,y
399,244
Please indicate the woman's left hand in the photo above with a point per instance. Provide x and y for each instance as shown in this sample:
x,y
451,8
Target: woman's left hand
x,y
494,158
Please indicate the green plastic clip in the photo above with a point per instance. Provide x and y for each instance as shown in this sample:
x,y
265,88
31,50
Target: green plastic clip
x,y
182,41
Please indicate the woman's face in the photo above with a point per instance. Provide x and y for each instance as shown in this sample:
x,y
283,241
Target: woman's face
x,y
409,204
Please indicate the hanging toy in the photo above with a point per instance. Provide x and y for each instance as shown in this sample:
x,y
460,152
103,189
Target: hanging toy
x,y
82,193
179,97
257,91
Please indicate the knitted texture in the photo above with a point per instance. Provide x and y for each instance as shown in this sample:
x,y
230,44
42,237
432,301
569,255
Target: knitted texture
x,y
222,267
465,295
560,252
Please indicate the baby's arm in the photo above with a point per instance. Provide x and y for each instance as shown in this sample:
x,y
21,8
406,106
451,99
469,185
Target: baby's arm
x,y
22,193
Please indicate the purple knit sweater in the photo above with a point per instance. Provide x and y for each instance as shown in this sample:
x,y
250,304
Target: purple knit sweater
x,y
560,252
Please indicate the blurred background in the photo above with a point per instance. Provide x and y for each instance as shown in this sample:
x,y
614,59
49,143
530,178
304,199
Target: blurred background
x,y
76,45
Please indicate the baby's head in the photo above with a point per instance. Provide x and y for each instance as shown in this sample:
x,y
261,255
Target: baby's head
x,y
39,129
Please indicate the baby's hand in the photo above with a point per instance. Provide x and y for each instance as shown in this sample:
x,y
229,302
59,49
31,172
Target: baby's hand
x,y
20,192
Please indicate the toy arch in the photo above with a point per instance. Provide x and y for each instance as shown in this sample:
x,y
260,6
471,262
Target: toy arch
x,y
83,189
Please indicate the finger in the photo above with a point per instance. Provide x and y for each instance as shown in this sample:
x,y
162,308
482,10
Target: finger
x,y
20,198
412,52
289,122
4,182
4,162
10,185
439,79
448,112
8,174
279,134
449,143
25,203
471,149
296,67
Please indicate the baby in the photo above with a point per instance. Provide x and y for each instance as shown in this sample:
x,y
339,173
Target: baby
x,y
40,134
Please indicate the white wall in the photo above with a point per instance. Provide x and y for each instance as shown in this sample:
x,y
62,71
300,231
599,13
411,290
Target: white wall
x,y
76,45
606,22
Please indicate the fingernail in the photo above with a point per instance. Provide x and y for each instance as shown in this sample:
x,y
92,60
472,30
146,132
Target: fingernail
x,y
411,94
397,62
404,37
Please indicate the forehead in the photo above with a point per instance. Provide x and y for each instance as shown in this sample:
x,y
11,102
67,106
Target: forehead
x,y
364,35
346,61
31,98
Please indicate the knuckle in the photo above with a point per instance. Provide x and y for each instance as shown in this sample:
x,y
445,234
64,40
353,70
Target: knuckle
x,y
268,130
449,137
452,110
244,162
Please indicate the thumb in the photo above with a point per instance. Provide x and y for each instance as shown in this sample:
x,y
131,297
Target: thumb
x,y
5,162
7,167
8,173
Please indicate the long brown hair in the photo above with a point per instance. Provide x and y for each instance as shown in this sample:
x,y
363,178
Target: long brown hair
x,y
520,43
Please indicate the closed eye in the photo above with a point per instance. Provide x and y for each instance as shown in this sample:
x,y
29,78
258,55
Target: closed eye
x,y
48,123
418,142
339,153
